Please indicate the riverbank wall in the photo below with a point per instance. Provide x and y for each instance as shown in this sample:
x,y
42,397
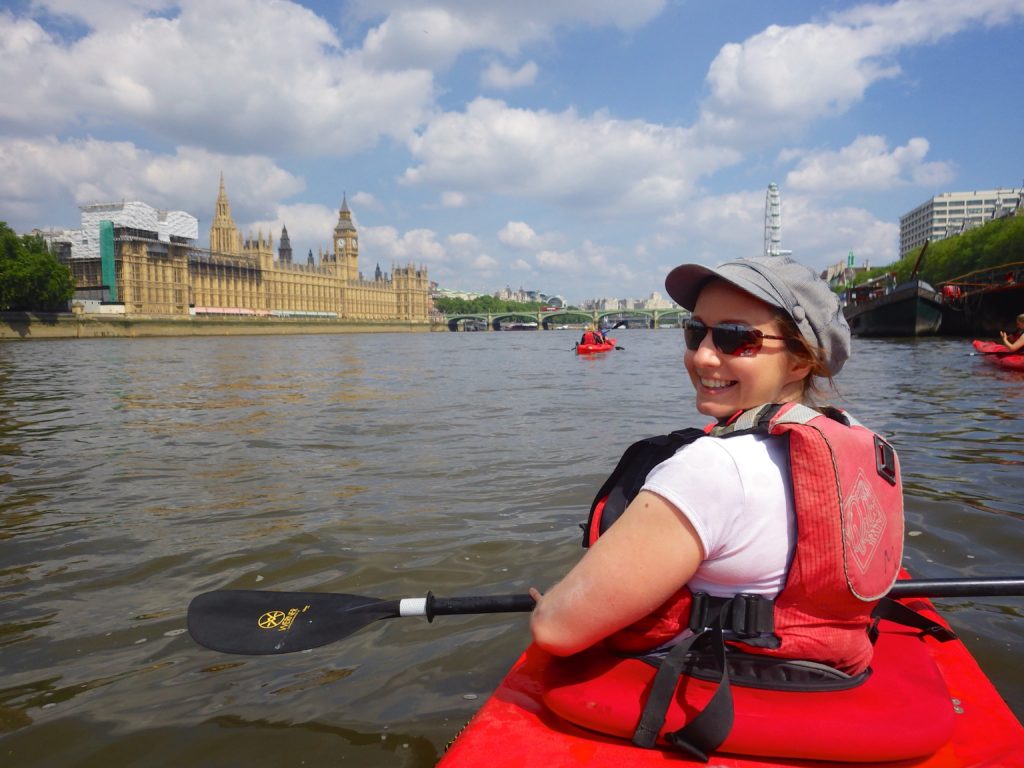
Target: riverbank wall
x,y
27,326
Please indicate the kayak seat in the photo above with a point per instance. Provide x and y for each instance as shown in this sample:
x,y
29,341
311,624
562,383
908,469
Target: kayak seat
x,y
900,710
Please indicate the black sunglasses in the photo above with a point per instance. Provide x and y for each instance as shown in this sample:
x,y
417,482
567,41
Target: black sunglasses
x,y
730,338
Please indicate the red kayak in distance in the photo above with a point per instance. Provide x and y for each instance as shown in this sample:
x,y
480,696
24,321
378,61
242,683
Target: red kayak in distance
x,y
999,355
517,727
589,349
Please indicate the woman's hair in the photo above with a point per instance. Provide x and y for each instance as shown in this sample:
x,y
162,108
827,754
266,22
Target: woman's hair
x,y
1020,319
808,353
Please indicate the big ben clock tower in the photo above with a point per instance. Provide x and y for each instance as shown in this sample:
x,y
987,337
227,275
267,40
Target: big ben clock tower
x,y
346,244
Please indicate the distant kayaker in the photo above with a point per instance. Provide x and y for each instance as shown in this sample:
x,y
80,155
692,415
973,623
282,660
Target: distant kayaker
x,y
592,336
1016,341
727,518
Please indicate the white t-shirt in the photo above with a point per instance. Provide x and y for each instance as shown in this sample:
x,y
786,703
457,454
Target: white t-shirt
x,y
736,492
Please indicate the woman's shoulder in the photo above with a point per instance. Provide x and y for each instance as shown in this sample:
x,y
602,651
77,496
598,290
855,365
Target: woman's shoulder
x,y
716,455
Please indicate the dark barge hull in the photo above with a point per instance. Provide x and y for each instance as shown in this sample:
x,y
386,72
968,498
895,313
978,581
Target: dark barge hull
x,y
985,312
911,309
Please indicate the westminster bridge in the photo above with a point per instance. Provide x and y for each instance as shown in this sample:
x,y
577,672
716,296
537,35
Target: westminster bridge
x,y
548,320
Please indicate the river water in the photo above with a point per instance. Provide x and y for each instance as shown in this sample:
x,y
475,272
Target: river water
x,y
136,473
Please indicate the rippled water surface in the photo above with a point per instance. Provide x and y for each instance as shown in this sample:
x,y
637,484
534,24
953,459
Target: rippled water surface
x,y
136,473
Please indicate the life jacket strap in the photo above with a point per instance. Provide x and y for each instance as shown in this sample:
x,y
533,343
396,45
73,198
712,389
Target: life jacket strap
x,y
705,732
897,612
747,617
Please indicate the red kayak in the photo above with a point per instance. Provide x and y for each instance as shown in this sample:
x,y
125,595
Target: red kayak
x,y
589,349
516,728
999,355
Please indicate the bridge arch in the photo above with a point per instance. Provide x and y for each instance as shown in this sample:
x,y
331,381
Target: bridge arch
x,y
655,318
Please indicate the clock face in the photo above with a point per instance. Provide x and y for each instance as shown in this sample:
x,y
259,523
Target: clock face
x,y
341,244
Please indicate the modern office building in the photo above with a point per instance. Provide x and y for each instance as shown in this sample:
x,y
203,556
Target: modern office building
x,y
950,213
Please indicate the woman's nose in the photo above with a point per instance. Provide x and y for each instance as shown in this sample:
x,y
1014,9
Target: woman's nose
x,y
706,353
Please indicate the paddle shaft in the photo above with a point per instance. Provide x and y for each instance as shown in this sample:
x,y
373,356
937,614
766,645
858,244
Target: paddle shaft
x,y
432,606
993,587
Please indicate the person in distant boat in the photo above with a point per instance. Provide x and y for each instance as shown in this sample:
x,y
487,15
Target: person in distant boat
x,y
592,336
785,513
1016,341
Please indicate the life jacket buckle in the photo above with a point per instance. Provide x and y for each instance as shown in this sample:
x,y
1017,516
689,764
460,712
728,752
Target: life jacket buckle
x,y
751,615
700,606
885,460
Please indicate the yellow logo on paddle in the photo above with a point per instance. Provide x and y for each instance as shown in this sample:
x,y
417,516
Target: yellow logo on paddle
x,y
280,620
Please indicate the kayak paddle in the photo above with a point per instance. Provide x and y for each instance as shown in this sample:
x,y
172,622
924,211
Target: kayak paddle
x,y
988,587
249,621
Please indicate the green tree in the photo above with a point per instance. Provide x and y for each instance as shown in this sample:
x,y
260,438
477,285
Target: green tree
x,y
483,305
31,278
986,247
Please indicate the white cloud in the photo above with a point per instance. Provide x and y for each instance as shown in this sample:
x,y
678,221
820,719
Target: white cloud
x,y
463,242
500,77
563,261
483,262
416,36
366,200
451,199
580,162
273,73
867,163
415,246
777,80
40,172
520,235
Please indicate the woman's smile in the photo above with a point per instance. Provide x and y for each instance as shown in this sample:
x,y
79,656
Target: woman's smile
x,y
715,384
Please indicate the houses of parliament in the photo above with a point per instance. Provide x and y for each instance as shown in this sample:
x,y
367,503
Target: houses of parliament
x,y
133,259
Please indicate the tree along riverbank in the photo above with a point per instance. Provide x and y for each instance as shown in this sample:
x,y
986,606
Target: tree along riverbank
x,y
27,326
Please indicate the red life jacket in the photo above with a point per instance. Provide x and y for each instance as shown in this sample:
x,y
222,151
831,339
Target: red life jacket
x,y
592,338
815,635
848,503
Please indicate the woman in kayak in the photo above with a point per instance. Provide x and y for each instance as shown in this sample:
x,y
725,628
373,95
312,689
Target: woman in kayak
x,y
720,516
1015,342
592,336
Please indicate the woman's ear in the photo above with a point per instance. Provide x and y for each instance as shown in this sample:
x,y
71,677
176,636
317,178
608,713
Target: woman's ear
x,y
799,368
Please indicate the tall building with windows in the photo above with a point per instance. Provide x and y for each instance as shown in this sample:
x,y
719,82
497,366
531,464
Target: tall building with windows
x,y
147,262
950,213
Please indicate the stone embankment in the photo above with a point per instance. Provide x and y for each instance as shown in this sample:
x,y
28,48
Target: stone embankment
x,y
39,325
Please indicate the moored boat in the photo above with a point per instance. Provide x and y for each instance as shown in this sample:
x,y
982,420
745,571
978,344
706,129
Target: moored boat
x,y
517,727
983,302
999,355
882,308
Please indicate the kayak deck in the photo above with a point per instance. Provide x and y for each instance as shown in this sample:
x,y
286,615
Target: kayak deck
x,y
514,728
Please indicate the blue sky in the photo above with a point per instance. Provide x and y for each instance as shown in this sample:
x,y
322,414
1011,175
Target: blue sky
x,y
575,147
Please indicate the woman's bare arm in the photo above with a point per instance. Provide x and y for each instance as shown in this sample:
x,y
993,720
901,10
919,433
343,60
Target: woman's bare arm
x,y
641,561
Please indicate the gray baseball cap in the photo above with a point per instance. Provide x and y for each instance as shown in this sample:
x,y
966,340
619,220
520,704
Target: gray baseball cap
x,y
780,282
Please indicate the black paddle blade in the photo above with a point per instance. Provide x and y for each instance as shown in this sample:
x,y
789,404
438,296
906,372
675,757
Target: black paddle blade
x,y
255,622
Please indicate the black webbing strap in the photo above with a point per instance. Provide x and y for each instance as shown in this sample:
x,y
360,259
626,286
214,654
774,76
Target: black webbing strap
x,y
749,617
897,612
708,729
